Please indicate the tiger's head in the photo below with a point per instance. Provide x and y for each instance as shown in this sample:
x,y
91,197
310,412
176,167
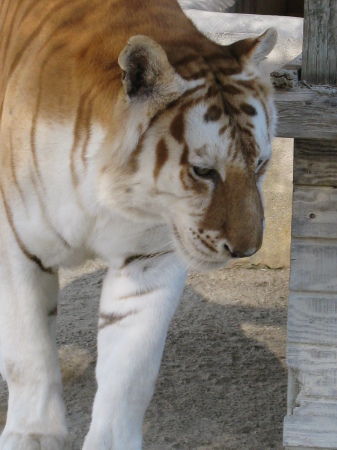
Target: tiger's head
x,y
193,141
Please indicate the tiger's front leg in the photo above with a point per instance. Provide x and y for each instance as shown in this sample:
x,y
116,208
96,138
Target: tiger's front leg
x,y
28,305
138,302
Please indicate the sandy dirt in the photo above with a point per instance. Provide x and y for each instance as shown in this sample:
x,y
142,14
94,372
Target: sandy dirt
x,y
222,383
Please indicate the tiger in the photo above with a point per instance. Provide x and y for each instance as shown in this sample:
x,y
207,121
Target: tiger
x,y
129,136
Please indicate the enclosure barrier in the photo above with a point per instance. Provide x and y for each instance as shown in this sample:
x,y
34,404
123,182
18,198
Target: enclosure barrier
x,y
308,113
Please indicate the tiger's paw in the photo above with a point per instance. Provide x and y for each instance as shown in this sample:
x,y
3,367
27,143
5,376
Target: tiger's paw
x,y
16,441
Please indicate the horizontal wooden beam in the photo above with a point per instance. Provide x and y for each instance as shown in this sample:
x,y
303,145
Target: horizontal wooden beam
x,y
307,113
315,163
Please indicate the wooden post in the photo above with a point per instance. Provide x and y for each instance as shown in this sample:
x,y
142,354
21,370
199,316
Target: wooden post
x,y
312,321
320,42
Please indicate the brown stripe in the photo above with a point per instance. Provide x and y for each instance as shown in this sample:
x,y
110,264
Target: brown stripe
x,y
245,131
35,33
161,157
248,109
22,247
223,130
77,135
111,319
213,114
231,146
133,162
33,132
206,244
179,101
29,9
184,156
177,127
50,54
214,57
4,14
87,124
267,116
228,71
230,89
133,258
137,294
11,27
195,76
187,59
248,84
263,169
16,183
192,91
213,91
182,179
229,108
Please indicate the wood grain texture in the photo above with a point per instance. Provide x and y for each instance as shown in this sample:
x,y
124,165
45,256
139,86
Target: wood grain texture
x,y
312,319
306,113
314,212
306,448
317,374
309,433
320,42
315,162
313,266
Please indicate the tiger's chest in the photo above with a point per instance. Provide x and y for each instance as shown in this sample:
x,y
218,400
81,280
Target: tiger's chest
x,y
53,205
72,235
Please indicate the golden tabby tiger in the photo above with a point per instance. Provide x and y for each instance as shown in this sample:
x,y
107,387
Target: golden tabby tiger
x,y
128,135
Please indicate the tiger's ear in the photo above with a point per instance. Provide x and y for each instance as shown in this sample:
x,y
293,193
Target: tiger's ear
x,y
147,73
255,48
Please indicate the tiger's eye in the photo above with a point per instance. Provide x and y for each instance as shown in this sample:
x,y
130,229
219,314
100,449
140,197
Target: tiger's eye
x,y
204,172
201,171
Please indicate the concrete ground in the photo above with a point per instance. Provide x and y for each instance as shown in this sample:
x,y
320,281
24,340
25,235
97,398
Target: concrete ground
x,y
223,380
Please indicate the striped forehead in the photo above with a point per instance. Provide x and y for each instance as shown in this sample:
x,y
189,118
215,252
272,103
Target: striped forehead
x,y
214,135
203,131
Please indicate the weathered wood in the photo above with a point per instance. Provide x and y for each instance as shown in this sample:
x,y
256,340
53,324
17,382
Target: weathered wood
x,y
310,433
315,162
312,319
313,420
313,265
306,448
306,113
317,365
314,212
320,42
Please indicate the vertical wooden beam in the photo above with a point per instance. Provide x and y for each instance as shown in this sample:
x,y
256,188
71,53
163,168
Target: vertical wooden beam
x,y
320,42
311,421
312,320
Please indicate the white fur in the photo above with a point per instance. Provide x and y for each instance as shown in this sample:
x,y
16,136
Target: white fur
x,y
113,214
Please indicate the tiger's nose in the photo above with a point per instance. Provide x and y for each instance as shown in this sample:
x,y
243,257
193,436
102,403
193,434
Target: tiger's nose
x,y
236,253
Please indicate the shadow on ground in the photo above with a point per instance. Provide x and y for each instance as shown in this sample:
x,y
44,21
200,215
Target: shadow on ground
x,y
222,383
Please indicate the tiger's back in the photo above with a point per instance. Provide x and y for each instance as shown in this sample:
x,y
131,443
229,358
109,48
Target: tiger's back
x,y
128,135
